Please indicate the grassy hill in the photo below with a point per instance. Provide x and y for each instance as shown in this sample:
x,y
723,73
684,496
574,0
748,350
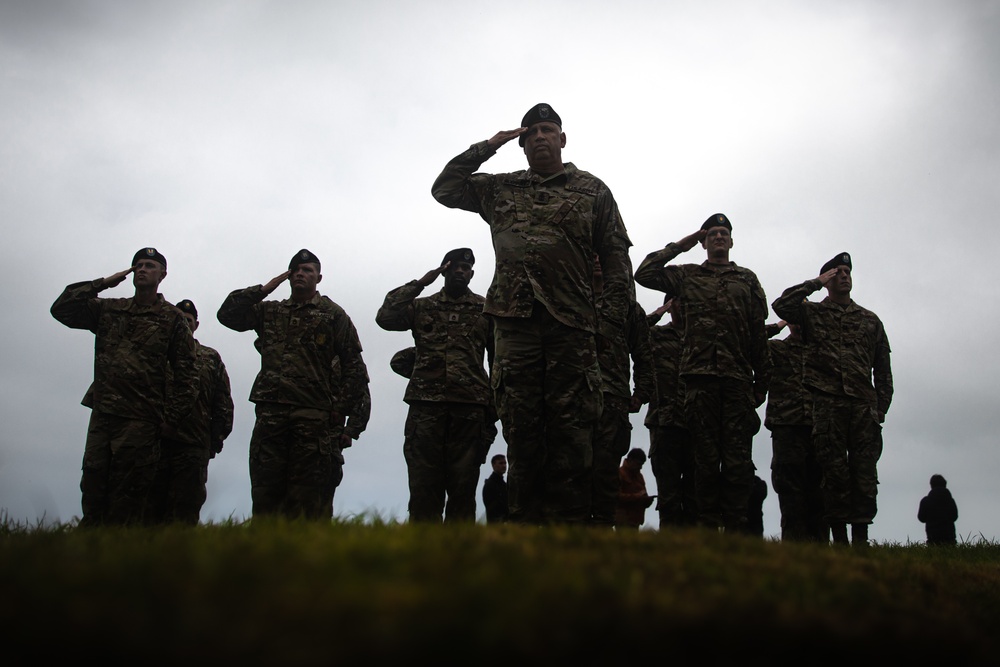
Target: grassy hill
x,y
301,593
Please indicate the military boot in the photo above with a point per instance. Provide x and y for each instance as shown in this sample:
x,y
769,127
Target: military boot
x,y
839,531
859,535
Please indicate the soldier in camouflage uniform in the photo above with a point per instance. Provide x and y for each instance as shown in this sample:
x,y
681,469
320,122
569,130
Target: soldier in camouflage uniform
x,y
139,341
671,455
299,436
848,350
180,487
795,471
725,365
624,356
449,396
547,223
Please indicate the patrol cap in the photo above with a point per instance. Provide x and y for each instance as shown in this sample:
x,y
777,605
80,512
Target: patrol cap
x,y
149,253
717,220
187,306
302,257
539,113
459,255
843,258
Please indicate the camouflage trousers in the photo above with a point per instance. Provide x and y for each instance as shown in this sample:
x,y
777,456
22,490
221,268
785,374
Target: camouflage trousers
x,y
295,459
671,458
444,446
611,442
796,478
848,441
119,463
722,419
547,387
180,487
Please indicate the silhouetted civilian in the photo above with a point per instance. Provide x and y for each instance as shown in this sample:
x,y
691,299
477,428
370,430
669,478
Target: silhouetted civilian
x,y
939,512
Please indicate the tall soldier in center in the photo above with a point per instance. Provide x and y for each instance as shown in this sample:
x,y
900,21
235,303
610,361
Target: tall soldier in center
x,y
547,223
725,365
450,423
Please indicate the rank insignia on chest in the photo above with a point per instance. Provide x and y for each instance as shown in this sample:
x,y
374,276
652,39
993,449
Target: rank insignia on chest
x,y
542,198
320,339
453,317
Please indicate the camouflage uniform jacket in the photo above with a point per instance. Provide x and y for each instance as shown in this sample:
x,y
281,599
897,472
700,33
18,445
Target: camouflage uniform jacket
x,y
451,335
788,401
848,347
298,344
666,407
545,234
629,344
211,419
723,309
134,348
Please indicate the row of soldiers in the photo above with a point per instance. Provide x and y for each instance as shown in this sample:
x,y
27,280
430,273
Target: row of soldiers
x,y
557,330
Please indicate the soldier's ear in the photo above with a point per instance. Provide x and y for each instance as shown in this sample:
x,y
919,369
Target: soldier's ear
x,y
163,275
319,278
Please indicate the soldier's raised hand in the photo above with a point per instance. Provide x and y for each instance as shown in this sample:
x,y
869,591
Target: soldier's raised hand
x,y
117,278
503,136
433,274
691,240
274,282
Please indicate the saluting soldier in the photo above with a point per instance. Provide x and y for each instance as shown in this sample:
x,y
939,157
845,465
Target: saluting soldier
x,y
849,374
141,341
311,373
450,421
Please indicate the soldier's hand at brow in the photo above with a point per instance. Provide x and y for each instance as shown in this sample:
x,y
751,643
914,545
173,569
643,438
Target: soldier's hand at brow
x,y
691,240
433,274
117,278
274,282
502,137
828,275
345,441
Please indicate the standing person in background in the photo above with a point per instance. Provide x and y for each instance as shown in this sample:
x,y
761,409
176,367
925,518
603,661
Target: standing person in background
x,y
449,396
671,454
547,224
939,513
141,342
848,372
625,357
755,507
298,439
632,496
180,487
795,471
495,491
725,365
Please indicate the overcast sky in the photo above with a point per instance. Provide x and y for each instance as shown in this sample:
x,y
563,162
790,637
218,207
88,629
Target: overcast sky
x,y
231,134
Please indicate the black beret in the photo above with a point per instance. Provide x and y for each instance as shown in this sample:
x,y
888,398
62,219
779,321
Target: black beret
x,y
843,258
717,220
539,113
149,253
402,362
302,257
460,255
187,306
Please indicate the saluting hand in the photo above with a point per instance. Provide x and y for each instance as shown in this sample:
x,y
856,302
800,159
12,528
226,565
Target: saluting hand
x,y
691,240
827,276
502,137
274,282
433,274
117,278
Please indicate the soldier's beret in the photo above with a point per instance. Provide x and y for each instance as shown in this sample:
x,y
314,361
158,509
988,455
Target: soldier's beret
x,y
149,253
187,306
459,255
539,113
717,220
302,257
842,258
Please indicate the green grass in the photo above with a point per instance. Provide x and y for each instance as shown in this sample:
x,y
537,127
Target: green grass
x,y
374,591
